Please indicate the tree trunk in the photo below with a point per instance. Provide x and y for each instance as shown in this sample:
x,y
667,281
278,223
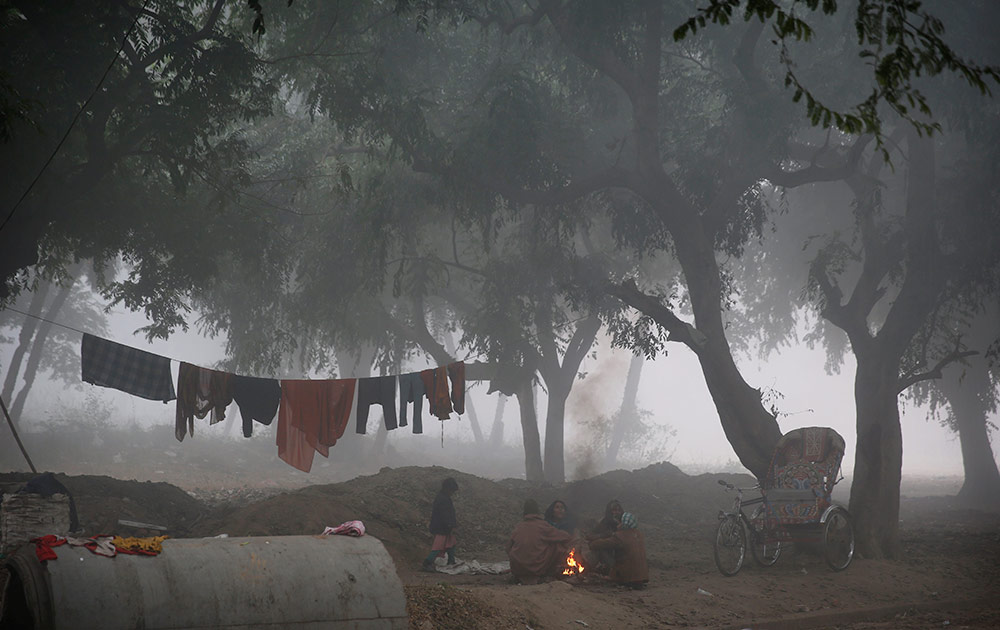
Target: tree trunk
x,y
496,432
24,340
982,479
477,433
749,427
533,470
878,461
559,378
555,424
38,350
628,413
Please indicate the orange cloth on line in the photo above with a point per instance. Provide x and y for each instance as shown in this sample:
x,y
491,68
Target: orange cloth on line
x,y
312,417
456,372
200,391
436,383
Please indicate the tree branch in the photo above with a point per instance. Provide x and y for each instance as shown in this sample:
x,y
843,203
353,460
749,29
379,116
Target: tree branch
x,y
815,173
651,306
935,372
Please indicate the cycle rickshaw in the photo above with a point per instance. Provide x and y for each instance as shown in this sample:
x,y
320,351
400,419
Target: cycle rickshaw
x,y
795,506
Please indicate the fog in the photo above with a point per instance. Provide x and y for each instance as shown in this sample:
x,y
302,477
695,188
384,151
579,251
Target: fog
x,y
356,183
672,389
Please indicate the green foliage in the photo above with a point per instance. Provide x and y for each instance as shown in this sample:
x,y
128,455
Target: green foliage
x,y
898,39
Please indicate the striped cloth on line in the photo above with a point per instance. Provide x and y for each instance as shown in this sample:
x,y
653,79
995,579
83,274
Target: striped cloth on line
x,y
137,372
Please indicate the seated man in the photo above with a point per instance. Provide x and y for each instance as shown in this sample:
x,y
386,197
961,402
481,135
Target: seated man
x,y
629,547
536,549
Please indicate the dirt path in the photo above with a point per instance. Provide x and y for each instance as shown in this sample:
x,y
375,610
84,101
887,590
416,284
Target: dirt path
x,y
949,576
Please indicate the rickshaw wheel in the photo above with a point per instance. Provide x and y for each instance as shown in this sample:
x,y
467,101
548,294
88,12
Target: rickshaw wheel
x,y
765,549
730,545
838,539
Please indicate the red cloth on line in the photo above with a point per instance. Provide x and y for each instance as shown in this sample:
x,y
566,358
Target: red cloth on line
x,y
200,391
456,372
312,417
436,384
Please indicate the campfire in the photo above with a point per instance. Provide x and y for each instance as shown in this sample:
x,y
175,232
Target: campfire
x,y
573,566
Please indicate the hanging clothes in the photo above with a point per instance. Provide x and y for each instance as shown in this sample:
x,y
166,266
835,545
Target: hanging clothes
x,y
108,364
411,390
200,391
312,416
258,400
377,390
456,372
436,385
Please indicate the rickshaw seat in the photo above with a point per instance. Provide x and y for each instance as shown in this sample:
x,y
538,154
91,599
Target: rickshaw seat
x,y
803,471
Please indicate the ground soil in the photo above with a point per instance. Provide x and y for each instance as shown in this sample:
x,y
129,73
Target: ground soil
x,y
948,576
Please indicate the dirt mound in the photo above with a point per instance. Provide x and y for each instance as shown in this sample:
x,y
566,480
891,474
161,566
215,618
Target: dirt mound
x,y
101,501
395,506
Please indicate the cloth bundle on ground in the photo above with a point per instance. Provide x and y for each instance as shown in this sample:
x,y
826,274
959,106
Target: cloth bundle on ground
x,y
472,567
103,545
348,528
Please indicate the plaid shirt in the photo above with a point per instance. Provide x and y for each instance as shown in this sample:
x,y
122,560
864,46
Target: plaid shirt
x,y
133,371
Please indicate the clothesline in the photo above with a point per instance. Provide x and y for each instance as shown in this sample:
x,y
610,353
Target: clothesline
x,y
83,332
312,413
60,325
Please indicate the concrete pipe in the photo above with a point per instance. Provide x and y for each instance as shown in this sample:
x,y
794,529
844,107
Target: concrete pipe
x,y
300,582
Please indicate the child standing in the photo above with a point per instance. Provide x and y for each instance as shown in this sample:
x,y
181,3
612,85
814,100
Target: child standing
x,y
443,525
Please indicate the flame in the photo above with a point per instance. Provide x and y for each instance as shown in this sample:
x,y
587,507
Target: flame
x,y
572,566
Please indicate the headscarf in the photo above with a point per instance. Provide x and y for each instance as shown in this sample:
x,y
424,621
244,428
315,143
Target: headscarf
x,y
629,521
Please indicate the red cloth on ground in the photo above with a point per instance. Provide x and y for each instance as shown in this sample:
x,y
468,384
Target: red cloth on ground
x,y
44,545
312,417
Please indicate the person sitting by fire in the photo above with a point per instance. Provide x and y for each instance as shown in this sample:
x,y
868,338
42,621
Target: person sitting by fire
x,y
603,558
558,515
536,549
629,547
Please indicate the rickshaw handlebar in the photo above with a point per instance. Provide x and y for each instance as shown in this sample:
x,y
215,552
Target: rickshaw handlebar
x,y
729,486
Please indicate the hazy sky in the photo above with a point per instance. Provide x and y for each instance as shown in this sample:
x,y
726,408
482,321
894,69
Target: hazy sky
x,y
672,388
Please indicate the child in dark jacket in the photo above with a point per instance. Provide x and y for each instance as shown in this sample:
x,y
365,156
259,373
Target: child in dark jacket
x,y
443,525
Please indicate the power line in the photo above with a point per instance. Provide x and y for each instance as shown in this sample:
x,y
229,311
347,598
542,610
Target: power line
x,y
79,113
